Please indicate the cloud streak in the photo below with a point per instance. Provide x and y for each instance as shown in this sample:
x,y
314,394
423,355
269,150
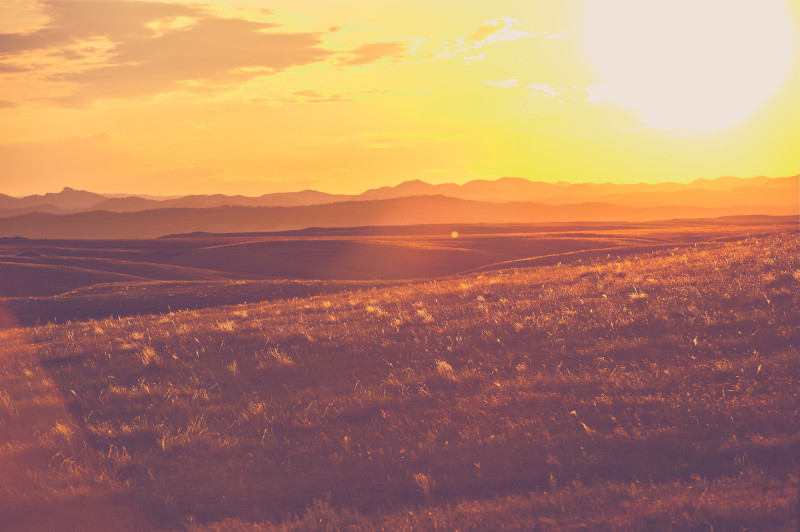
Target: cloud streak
x,y
158,47
542,88
495,31
309,96
372,52
503,84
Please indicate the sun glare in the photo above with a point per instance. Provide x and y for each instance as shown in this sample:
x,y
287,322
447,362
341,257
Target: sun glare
x,y
688,65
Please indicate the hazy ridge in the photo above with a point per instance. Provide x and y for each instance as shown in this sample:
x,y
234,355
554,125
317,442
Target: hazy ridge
x,y
723,191
70,214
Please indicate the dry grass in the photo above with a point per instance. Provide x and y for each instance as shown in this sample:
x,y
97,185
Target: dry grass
x,y
651,392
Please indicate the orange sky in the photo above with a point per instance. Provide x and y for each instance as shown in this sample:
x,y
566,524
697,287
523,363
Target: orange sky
x,y
256,97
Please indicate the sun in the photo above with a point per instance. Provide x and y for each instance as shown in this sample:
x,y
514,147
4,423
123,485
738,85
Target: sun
x,y
689,65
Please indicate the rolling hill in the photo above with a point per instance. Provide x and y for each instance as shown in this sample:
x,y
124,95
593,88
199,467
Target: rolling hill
x,y
655,391
47,280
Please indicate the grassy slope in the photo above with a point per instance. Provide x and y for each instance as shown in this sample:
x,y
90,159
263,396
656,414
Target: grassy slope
x,y
44,268
151,297
654,392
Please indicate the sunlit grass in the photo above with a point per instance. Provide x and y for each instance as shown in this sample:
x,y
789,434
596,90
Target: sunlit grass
x,y
652,392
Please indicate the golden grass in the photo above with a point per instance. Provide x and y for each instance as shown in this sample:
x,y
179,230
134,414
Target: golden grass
x,y
553,398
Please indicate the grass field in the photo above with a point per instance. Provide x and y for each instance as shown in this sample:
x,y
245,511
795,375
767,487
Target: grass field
x,y
653,390
45,281
155,297
43,268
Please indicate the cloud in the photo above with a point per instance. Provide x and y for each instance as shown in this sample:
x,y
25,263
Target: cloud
x,y
503,84
307,96
495,31
488,30
474,57
159,47
73,21
8,68
16,43
541,88
6,104
372,52
213,50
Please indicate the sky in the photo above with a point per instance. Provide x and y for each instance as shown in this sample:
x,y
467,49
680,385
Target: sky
x,y
252,97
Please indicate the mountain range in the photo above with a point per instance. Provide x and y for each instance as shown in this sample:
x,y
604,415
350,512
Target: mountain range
x,y
724,191
81,214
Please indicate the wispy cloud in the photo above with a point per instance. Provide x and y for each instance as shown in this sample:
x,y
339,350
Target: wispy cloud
x,y
124,49
543,89
73,21
495,31
309,96
6,68
503,84
372,52
474,57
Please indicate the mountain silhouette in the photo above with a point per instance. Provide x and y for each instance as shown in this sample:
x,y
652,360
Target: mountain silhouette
x,y
493,202
68,200
412,210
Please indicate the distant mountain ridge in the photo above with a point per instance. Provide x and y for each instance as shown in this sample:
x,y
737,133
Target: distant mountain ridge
x,y
80,214
412,210
68,199
720,192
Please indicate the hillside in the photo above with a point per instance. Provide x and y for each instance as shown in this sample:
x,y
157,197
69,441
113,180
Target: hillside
x,y
656,391
122,299
43,268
